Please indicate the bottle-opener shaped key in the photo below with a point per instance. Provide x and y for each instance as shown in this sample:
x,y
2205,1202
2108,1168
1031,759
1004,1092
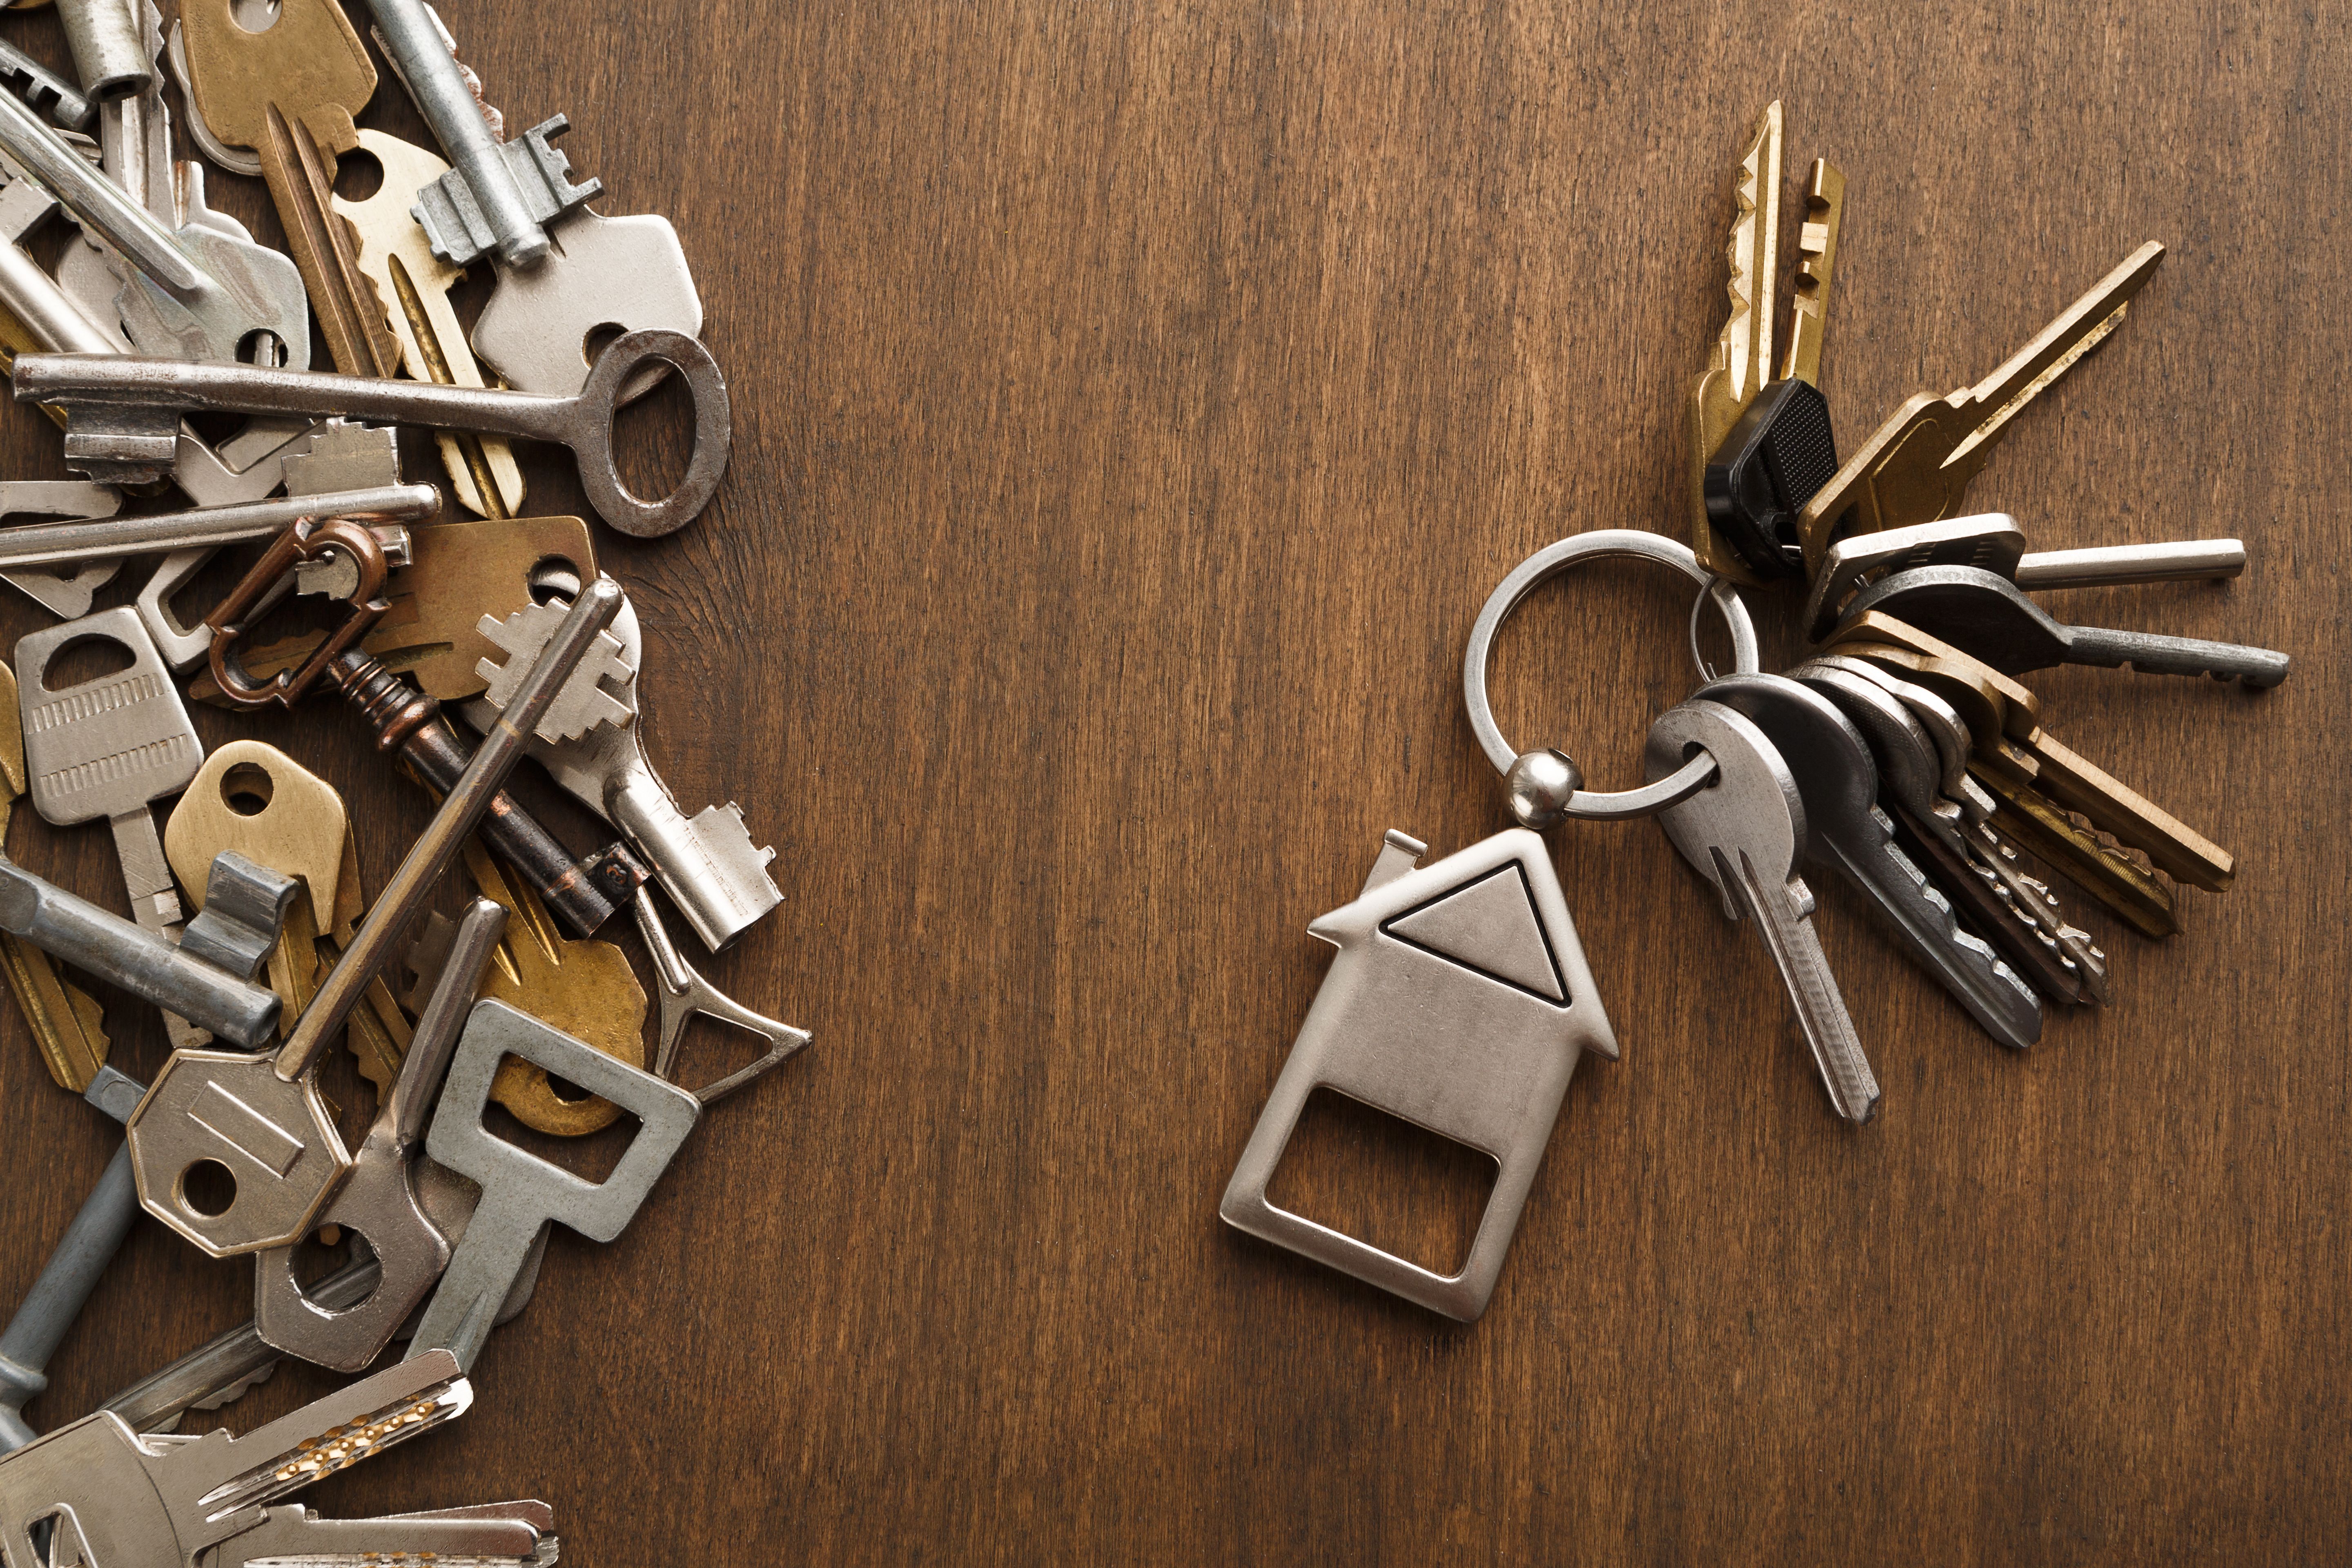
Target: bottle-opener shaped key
x,y
1759,446
521,1193
265,1112
686,995
65,1020
298,827
1461,1000
582,986
380,1200
457,573
415,285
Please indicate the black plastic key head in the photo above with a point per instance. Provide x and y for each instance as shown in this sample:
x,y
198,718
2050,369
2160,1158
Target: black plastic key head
x,y
1780,453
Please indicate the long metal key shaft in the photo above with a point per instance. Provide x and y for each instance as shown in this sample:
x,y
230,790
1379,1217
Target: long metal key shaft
x,y
55,543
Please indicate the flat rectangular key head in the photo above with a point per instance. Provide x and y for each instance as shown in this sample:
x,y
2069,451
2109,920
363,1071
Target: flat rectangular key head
x,y
598,1210
109,746
1460,1002
1989,541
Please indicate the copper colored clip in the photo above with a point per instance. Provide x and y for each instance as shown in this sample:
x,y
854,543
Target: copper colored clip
x,y
306,541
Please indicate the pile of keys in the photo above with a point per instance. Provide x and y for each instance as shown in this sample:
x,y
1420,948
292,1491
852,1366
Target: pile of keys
x,y
1903,757
462,645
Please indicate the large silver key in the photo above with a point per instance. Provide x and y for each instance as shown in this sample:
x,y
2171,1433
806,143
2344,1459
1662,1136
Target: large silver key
x,y
208,528
120,1500
45,91
379,1200
123,415
111,747
1991,542
713,872
1849,834
521,1193
1744,834
196,292
265,1112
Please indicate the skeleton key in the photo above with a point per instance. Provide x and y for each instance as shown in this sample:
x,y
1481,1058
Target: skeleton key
x,y
45,91
110,747
66,1022
194,291
414,286
267,1110
1744,832
1985,615
1917,467
379,1200
121,415
1991,542
522,1194
289,94
299,830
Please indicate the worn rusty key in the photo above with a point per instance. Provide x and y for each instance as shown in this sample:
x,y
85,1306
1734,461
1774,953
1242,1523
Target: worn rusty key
x,y
261,1118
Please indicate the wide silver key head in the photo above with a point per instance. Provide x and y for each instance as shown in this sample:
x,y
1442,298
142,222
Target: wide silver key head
x,y
1753,804
1990,540
1910,771
232,1156
604,276
109,746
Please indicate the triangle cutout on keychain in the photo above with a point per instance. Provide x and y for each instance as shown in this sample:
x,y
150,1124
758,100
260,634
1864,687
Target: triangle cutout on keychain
x,y
1494,918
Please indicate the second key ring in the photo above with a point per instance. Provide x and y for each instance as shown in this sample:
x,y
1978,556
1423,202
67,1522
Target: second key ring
x,y
1546,785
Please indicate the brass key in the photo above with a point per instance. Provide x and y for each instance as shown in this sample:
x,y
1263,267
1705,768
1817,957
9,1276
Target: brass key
x,y
66,1021
2006,721
1742,360
415,285
1917,467
289,94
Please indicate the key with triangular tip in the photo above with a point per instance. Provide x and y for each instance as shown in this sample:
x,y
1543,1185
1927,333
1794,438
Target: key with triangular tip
x,y
1916,468
1991,542
1985,615
1846,833
521,1193
1744,832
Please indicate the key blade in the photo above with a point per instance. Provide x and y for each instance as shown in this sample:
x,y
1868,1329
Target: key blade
x,y
404,1401
2003,1005
1817,244
1812,991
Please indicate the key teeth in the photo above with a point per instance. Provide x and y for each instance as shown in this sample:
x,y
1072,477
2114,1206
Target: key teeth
x,y
452,217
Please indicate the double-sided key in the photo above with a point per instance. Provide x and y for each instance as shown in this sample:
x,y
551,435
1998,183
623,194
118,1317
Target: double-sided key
x,y
1985,615
1838,780
1916,468
122,414
1744,832
1991,542
108,1496
491,1535
522,1194
265,1112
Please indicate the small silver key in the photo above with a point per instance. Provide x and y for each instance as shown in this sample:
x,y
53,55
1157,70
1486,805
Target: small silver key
x,y
1991,542
521,1193
488,1536
1985,615
1744,834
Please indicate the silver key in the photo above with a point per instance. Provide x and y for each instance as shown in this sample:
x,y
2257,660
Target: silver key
x,y
1993,542
1985,615
1849,834
708,863
378,1200
104,38
47,91
196,292
67,588
207,527
123,415
1744,834
501,192
684,995
488,1536
122,1500
521,1193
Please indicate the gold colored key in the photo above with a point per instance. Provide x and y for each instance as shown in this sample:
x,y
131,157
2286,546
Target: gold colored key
x,y
415,285
1917,467
458,573
1742,360
2027,816
288,94
297,826
2005,720
66,1022
584,987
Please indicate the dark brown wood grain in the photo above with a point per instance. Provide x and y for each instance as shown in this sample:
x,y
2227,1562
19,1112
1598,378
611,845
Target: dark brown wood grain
x,y
1134,405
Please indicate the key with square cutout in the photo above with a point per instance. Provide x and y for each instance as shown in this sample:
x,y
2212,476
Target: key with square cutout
x,y
521,1193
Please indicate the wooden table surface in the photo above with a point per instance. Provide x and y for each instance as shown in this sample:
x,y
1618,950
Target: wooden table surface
x,y
1133,406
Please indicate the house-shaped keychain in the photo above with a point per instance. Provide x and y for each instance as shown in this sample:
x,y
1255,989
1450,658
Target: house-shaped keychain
x,y
1459,1002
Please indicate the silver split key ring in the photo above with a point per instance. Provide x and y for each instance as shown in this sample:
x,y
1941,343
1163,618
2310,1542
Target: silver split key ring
x,y
1547,786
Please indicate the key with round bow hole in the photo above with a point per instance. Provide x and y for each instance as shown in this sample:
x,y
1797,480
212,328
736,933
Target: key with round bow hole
x,y
1916,468
122,414
1744,832
1985,615
1847,834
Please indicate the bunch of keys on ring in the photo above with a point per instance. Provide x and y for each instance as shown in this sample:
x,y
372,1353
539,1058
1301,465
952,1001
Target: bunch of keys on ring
x,y
441,620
